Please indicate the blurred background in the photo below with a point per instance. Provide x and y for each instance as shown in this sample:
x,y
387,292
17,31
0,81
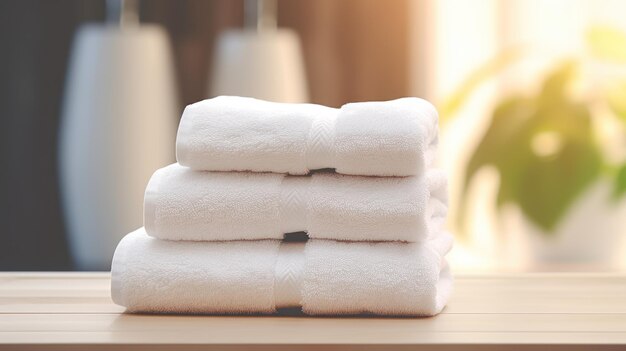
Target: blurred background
x,y
531,94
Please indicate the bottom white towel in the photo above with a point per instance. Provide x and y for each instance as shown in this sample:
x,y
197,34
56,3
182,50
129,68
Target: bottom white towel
x,y
323,277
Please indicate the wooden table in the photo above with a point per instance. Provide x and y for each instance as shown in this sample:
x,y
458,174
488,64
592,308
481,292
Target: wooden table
x,y
73,311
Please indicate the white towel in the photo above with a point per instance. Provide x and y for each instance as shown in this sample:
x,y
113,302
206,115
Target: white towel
x,y
228,133
182,204
324,277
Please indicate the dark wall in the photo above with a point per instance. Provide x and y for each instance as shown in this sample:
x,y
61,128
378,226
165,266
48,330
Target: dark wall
x,y
354,50
34,38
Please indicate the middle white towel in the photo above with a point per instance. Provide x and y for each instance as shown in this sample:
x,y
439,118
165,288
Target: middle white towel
x,y
181,204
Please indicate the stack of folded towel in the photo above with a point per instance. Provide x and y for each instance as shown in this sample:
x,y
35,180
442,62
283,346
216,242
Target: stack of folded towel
x,y
216,224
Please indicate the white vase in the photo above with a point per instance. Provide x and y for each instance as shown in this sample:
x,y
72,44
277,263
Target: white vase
x,y
266,65
118,126
590,237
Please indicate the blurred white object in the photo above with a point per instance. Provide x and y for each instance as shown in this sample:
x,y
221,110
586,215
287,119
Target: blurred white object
x,y
260,61
118,127
590,236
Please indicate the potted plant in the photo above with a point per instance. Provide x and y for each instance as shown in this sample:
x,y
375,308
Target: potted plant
x,y
552,161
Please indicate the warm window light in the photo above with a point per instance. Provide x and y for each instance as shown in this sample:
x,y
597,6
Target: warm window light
x,y
459,41
547,144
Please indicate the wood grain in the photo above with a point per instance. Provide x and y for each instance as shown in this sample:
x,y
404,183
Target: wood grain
x,y
54,311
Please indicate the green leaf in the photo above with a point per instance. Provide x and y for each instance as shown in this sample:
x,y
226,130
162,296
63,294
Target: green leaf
x,y
508,120
607,43
543,180
450,106
501,147
554,89
616,97
553,184
620,183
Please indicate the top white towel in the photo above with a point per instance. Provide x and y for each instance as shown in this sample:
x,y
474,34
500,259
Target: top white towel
x,y
228,133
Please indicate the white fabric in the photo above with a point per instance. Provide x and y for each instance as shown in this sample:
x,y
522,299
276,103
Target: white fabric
x,y
229,133
293,204
151,275
289,274
181,204
320,151
160,276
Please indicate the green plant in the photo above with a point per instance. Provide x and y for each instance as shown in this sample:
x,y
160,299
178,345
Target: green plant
x,y
543,146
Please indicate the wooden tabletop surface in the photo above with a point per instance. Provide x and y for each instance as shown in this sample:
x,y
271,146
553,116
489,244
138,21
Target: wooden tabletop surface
x,y
73,311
